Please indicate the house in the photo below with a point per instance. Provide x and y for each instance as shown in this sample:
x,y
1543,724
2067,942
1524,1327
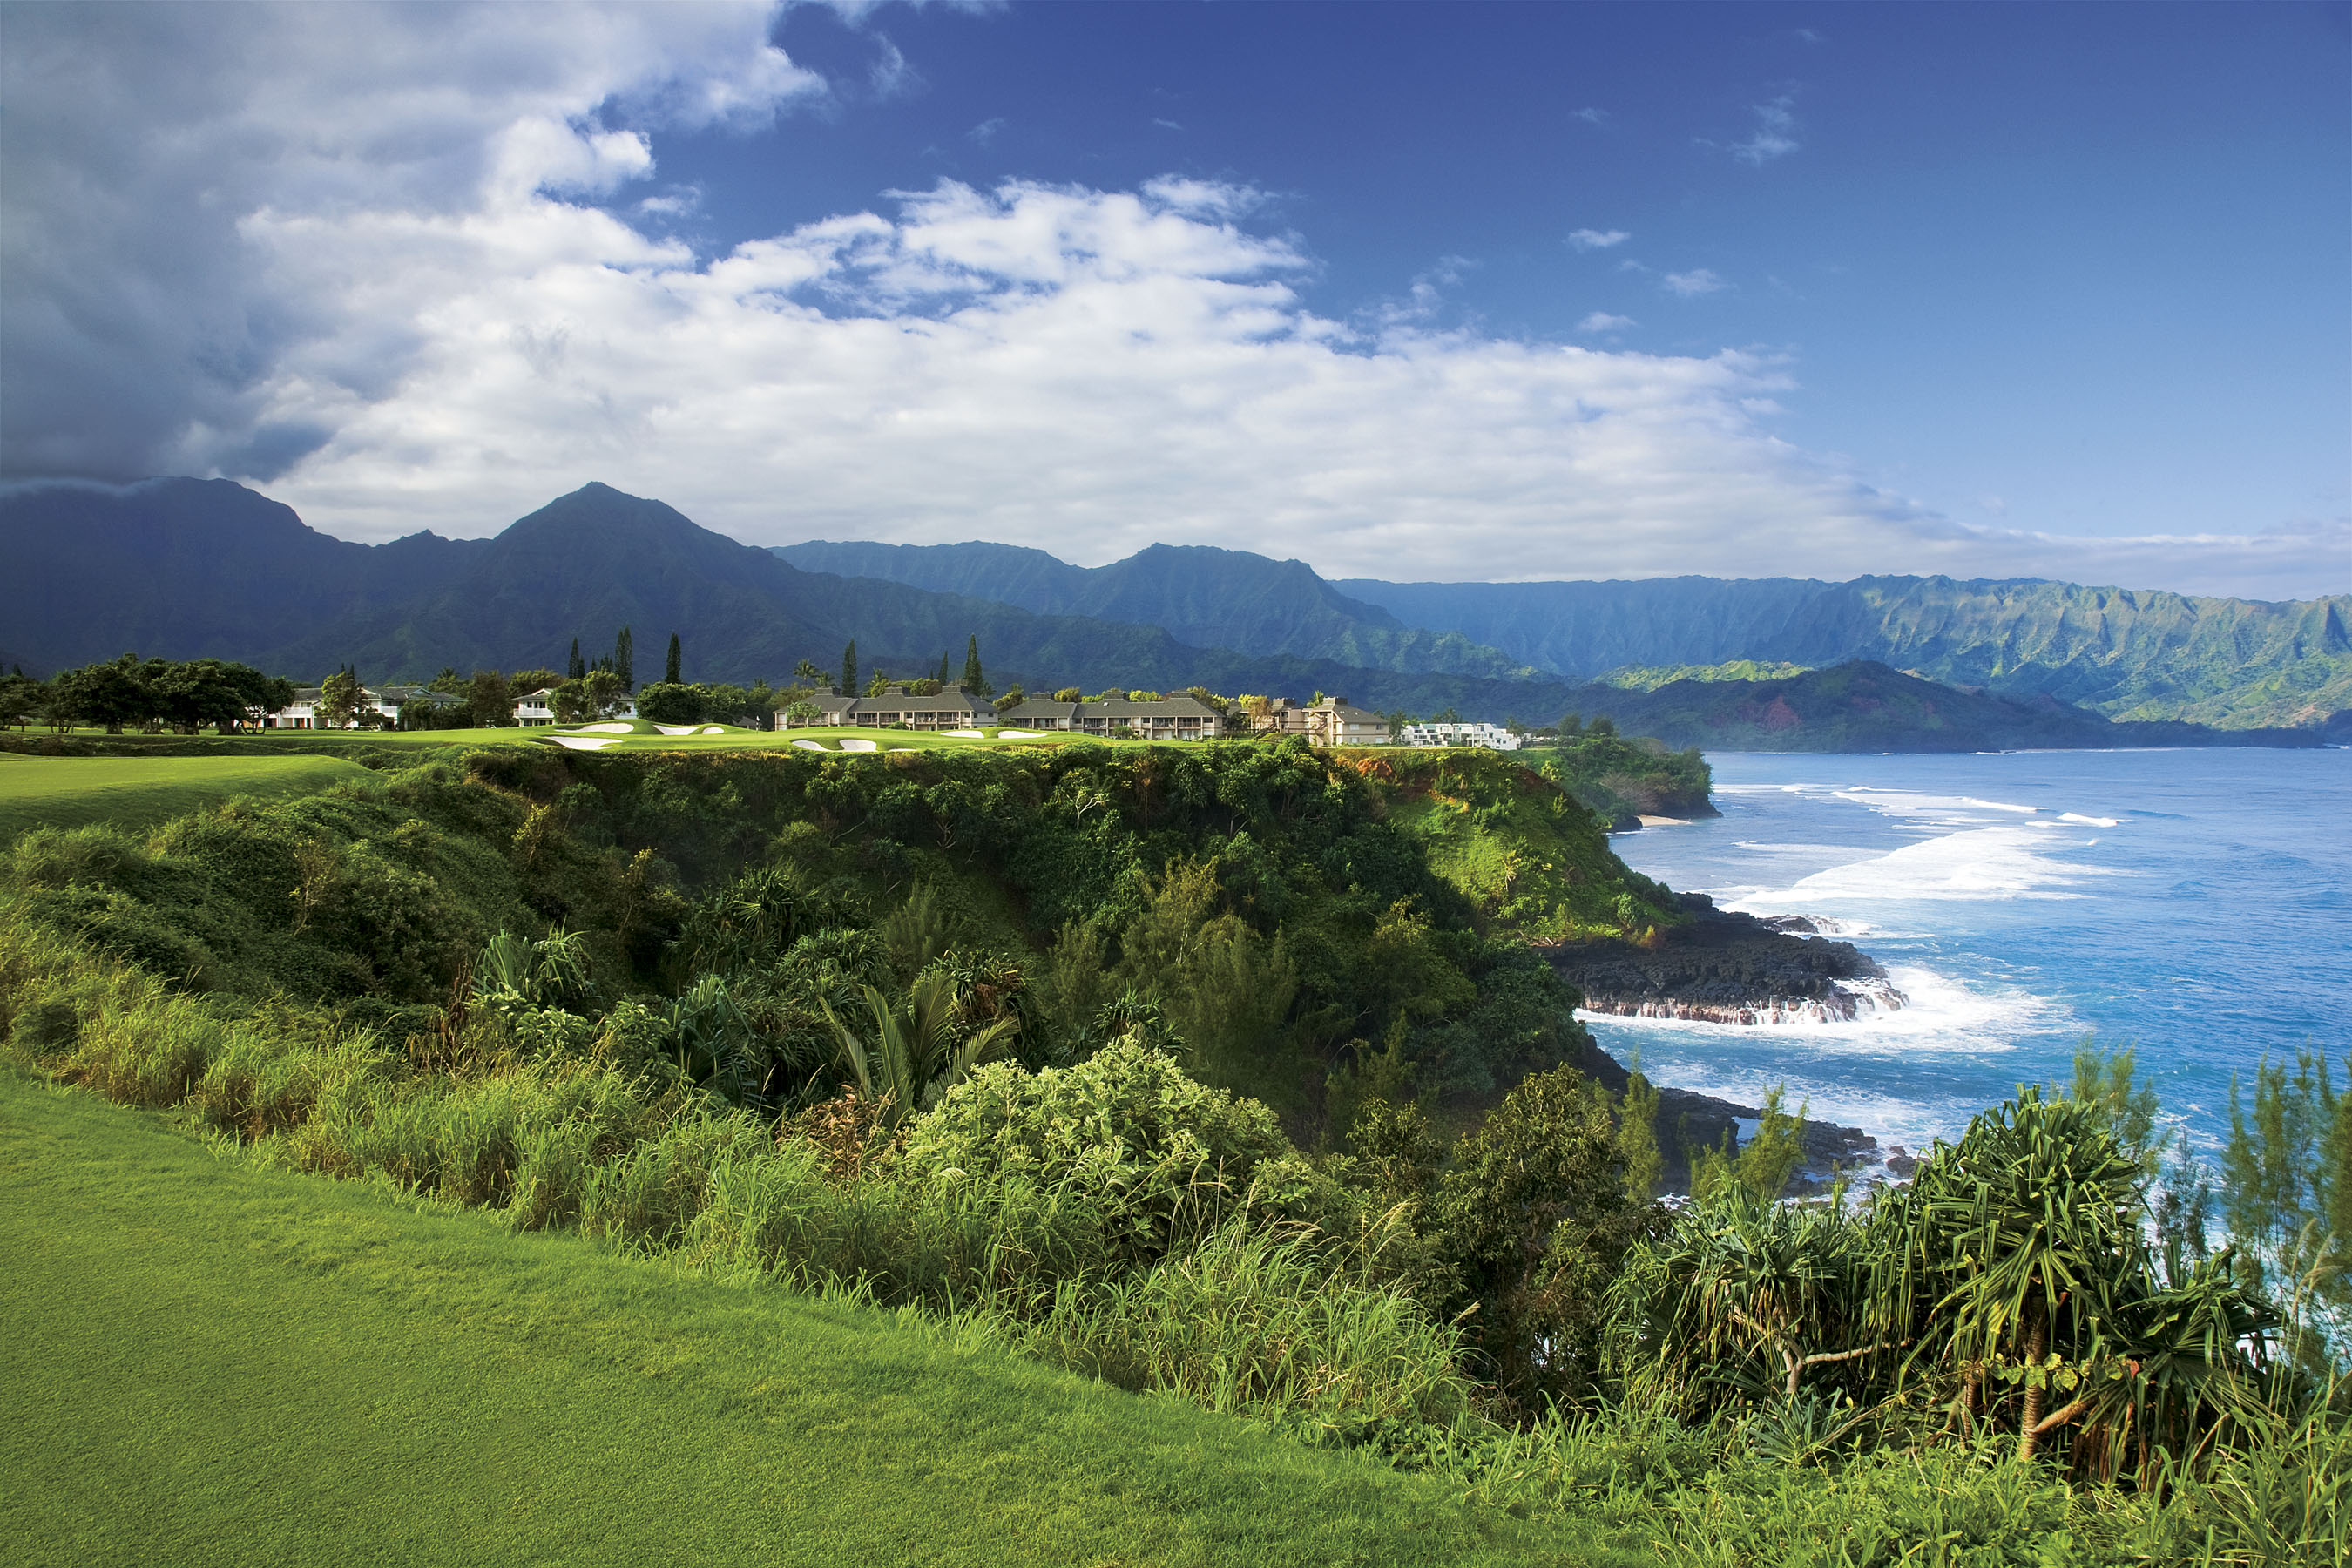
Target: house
x,y
393,701
1177,718
832,708
538,707
1491,737
303,713
1335,722
1043,714
900,708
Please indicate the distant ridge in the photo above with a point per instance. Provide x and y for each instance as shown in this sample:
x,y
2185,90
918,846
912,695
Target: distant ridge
x,y
188,568
2125,653
1201,596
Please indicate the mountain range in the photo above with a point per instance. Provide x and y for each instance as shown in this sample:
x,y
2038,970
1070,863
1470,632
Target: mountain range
x,y
2123,653
190,568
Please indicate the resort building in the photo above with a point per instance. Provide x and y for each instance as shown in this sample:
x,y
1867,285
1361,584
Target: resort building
x,y
378,705
1327,721
539,707
1491,737
1178,718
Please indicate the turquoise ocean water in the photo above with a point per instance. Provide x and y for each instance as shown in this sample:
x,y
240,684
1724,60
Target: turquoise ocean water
x,y
2196,904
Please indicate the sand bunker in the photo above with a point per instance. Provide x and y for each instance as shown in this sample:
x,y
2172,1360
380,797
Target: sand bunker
x,y
859,746
965,734
615,729
812,745
1019,735
585,742
677,729
714,729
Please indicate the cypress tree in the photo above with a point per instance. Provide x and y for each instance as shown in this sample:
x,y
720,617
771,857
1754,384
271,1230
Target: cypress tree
x,y
849,669
942,677
674,671
625,659
576,669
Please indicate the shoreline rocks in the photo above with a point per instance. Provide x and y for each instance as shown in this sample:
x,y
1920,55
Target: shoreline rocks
x,y
1725,967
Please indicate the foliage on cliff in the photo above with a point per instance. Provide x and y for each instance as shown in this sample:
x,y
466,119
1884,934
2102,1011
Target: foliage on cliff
x,y
1298,921
1531,858
1619,781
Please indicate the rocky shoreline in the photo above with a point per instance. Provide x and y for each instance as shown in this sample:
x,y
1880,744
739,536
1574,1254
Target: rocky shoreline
x,y
1725,967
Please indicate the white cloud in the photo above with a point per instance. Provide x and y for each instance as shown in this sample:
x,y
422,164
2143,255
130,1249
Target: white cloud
x,y
410,310
1167,125
1589,116
1598,239
1775,134
1690,285
143,143
1602,322
985,132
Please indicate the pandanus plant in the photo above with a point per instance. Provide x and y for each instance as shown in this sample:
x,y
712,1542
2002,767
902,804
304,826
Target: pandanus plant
x,y
2012,1281
908,1053
2023,1267
515,972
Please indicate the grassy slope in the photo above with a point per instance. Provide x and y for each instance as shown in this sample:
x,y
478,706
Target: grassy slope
x,y
135,791
203,1363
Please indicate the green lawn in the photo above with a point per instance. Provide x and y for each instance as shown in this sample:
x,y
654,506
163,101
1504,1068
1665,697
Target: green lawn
x,y
135,791
202,1363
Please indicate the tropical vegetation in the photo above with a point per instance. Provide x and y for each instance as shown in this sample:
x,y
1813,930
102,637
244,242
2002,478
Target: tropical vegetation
x,y
1222,1072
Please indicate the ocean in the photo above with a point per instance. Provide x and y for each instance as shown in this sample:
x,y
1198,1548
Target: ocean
x,y
2196,905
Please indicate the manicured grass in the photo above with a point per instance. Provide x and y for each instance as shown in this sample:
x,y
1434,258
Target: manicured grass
x,y
134,792
202,1362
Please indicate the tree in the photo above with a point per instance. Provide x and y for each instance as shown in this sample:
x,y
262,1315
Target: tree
x,y
490,701
1571,725
759,706
670,702
577,668
1069,694
725,704
625,658
595,695
339,700
942,677
878,685
1602,729
849,669
1013,697
674,667
448,681
112,694
19,699
974,681
807,673
1535,1221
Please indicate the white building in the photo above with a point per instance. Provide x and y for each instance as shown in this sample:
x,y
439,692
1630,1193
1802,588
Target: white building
x,y
1491,737
538,707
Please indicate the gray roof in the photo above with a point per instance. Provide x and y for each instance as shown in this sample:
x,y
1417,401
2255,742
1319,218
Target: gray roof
x,y
1039,708
1177,707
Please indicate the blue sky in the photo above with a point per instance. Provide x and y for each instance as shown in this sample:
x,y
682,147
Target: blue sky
x,y
1996,290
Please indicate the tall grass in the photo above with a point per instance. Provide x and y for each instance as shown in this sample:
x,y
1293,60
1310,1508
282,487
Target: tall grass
x,y
1249,1317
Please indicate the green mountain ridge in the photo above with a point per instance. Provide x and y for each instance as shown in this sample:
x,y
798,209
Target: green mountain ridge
x,y
186,568
2129,654
1200,595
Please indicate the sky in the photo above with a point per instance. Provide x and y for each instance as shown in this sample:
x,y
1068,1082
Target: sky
x,y
1451,291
